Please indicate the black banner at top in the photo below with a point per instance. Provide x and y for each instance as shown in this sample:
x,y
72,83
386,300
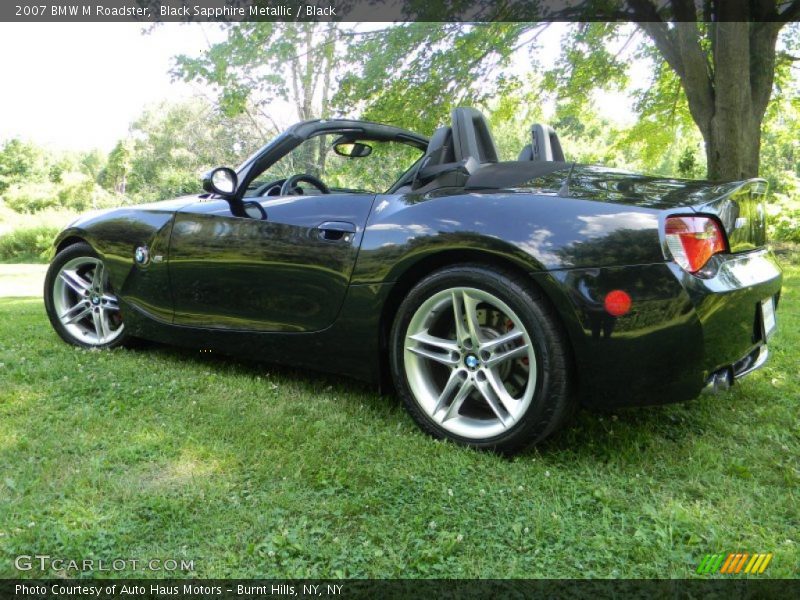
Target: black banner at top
x,y
394,10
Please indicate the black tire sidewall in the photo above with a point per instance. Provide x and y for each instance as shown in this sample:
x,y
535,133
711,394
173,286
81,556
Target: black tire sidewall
x,y
77,250
546,408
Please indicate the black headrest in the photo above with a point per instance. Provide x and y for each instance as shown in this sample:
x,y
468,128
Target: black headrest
x,y
439,166
545,145
440,148
471,136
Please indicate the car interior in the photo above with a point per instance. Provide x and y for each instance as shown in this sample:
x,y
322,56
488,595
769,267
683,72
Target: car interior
x,y
464,155
460,155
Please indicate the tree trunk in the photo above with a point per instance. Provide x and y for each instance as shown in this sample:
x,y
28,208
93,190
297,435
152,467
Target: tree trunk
x,y
732,147
726,68
734,129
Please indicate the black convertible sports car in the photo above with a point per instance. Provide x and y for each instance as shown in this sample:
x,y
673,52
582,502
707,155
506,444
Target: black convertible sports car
x,y
495,296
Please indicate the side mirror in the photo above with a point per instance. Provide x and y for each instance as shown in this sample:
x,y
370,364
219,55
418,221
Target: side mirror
x,y
222,181
352,149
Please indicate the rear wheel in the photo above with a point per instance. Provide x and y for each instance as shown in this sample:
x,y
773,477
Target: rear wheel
x,y
479,357
80,301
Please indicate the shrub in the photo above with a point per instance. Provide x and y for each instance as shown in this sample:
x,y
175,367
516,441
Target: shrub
x,y
783,216
28,244
785,227
75,192
84,194
31,197
29,237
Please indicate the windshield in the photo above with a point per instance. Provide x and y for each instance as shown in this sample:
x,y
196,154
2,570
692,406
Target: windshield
x,y
376,171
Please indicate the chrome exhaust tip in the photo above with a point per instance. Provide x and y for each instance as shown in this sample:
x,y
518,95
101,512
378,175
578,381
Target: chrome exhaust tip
x,y
719,381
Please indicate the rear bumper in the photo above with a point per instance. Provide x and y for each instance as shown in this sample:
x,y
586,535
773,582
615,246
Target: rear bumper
x,y
682,330
723,379
728,308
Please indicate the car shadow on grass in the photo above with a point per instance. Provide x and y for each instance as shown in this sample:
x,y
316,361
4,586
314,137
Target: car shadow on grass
x,y
591,433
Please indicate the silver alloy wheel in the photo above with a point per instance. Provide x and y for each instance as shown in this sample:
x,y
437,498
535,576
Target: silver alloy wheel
x,y
469,362
85,303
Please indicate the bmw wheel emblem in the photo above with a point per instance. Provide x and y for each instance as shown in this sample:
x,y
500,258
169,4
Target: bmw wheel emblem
x,y
142,255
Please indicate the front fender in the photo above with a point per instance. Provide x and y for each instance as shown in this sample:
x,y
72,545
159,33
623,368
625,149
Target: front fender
x,y
115,235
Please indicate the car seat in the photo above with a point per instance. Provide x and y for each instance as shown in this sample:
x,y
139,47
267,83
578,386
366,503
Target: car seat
x,y
455,152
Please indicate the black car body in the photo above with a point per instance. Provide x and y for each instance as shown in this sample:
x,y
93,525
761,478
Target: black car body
x,y
318,282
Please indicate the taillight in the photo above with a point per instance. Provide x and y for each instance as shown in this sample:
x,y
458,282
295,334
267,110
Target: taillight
x,y
693,240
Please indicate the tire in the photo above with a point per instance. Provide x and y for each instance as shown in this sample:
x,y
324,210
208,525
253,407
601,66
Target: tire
x,y
80,302
499,382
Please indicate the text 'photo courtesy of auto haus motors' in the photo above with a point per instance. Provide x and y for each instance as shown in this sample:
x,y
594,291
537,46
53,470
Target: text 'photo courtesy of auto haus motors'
x,y
493,298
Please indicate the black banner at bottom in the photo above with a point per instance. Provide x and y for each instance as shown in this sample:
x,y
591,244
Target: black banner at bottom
x,y
221,589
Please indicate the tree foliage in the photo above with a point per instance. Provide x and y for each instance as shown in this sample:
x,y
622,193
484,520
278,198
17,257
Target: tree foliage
x,y
414,74
115,176
261,62
172,145
18,162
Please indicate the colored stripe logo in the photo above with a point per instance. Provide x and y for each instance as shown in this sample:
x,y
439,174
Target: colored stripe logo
x,y
734,563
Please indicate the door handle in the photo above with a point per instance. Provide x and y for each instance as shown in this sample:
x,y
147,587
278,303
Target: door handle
x,y
337,231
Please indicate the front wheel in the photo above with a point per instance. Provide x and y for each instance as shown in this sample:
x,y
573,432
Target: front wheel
x,y
80,302
479,357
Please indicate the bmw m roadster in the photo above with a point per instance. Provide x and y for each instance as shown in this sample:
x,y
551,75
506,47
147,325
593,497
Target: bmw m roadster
x,y
494,297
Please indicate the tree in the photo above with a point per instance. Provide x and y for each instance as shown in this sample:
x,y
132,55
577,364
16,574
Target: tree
x,y
260,62
18,161
714,68
173,144
118,168
413,75
91,163
715,64
714,71
726,67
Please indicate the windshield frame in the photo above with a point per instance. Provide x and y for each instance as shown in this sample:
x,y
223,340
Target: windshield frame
x,y
337,136
285,142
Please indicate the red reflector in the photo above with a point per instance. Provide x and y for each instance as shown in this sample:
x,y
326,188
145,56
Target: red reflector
x,y
693,240
617,303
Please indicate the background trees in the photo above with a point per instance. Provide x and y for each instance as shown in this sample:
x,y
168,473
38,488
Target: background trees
x,y
261,63
698,99
173,144
725,66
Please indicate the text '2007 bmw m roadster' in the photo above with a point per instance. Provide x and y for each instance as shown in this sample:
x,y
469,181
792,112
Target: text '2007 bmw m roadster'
x,y
495,296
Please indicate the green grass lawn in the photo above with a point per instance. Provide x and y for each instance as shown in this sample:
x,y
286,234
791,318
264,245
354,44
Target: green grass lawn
x,y
255,471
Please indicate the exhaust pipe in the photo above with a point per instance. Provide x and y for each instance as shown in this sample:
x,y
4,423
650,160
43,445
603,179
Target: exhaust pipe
x,y
720,381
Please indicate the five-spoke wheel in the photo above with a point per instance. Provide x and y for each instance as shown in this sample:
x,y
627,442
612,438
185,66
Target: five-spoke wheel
x,y
479,357
80,301
470,362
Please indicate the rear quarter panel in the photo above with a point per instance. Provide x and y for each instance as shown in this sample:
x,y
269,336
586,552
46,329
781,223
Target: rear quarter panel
x,y
576,250
538,232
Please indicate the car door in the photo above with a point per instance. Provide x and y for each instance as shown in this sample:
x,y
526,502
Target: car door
x,y
286,273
